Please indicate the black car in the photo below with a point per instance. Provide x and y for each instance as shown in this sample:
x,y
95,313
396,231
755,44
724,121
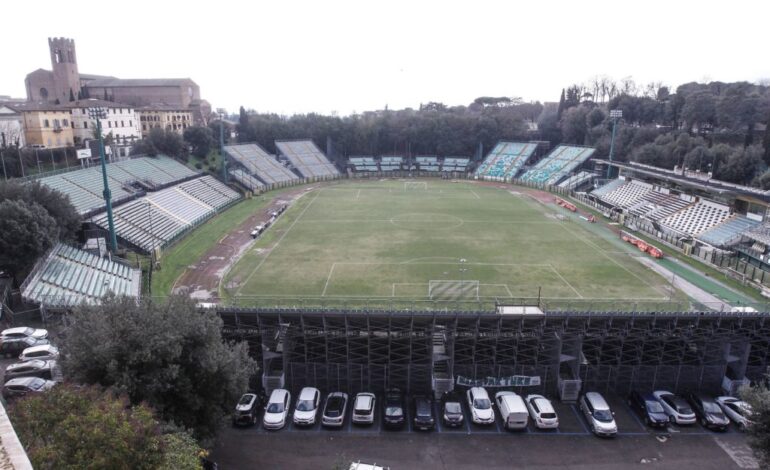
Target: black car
x,y
12,347
649,409
708,412
423,413
246,410
452,410
393,413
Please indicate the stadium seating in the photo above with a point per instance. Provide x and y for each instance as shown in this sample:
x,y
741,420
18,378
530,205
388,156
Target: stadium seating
x,y
729,231
506,159
363,164
391,163
656,205
427,163
697,218
260,163
246,180
455,164
577,180
155,220
306,158
85,187
69,276
626,194
606,188
557,165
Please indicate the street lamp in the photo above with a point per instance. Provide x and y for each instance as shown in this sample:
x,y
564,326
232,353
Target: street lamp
x,y
221,113
615,114
99,113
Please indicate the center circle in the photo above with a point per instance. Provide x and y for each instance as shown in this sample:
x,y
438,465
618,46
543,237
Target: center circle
x,y
426,221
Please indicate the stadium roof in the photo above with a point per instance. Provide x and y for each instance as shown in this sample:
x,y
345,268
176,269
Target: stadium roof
x,y
68,276
691,180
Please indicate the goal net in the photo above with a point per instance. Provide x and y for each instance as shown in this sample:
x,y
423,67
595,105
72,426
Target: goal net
x,y
415,185
453,290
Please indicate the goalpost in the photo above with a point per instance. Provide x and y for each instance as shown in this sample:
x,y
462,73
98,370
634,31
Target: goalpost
x,y
414,185
441,289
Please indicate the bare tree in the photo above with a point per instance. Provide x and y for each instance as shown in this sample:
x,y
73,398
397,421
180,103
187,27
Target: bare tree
x,y
628,86
10,133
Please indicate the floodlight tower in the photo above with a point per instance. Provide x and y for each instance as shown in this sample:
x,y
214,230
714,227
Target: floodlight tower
x,y
615,114
221,113
99,113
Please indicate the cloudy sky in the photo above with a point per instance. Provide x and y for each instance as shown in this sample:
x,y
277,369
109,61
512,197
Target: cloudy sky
x,y
328,56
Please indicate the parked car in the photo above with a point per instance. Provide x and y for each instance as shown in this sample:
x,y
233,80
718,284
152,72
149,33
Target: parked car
x,y
363,408
35,368
24,385
452,410
708,411
306,410
334,409
737,410
393,414
24,332
512,409
541,411
677,409
600,417
423,413
480,405
12,347
277,409
43,352
246,410
648,408
257,231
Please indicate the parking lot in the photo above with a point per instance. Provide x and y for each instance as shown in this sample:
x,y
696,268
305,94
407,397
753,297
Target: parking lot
x,y
571,423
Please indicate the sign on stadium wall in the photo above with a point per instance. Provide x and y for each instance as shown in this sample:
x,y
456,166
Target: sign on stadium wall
x,y
510,381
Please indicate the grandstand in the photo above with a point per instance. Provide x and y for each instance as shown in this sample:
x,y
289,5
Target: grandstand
x,y
260,163
697,218
505,160
656,205
557,165
127,179
626,194
728,232
455,164
246,180
157,219
392,163
577,181
306,158
363,164
68,276
427,163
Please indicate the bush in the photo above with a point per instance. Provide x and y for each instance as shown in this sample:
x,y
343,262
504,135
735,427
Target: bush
x,y
213,168
199,165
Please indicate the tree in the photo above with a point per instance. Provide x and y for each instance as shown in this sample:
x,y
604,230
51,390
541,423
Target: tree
x,y
27,231
161,142
742,165
55,203
200,139
170,355
573,125
758,397
699,109
245,131
69,428
766,141
562,104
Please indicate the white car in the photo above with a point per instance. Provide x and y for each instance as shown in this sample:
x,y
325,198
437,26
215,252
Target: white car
x,y
598,414
677,409
277,409
480,405
45,352
24,332
307,406
541,411
363,408
737,410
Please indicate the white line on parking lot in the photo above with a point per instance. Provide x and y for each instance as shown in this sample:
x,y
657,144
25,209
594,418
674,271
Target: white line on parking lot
x,y
579,417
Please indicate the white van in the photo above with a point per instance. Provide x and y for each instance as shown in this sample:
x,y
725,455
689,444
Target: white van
x,y
512,409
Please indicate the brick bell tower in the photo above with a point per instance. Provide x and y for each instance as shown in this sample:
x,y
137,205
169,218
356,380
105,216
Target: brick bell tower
x,y
64,63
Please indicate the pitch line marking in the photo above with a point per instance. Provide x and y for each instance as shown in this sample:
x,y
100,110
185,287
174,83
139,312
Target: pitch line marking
x,y
358,194
474,193
238,292
328,278
565,281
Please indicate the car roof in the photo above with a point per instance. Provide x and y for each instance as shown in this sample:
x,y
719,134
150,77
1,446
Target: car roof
x,y
34,362
479,390
21,380
307,393
544,405
16,329
364,399
278,394
597,400
40,347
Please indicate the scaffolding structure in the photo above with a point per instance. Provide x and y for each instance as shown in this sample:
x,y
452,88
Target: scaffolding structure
x,y
423,352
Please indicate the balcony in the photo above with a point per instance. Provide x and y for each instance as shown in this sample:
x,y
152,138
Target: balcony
x,y
57,129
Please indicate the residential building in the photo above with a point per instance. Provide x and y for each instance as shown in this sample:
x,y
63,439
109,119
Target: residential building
x,y
170,118
120,121
46,125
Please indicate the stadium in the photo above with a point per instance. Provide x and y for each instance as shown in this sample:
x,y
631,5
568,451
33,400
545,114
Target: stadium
x,y
532,268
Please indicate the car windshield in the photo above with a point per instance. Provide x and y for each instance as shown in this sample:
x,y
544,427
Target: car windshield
x,y
334,406
452,407
654,407
275,408
605,416
36,384
394,411
305,405
245,400
481,404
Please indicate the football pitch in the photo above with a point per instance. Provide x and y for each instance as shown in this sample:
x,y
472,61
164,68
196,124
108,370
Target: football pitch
x,y
431,242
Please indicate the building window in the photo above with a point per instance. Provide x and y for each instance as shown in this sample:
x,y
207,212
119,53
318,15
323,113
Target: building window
x,y
121,124
65,123
109,123
45,124
56,124
85,124
144,127
130,123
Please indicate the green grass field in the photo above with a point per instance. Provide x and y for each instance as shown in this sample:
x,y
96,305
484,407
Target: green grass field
x,y
430,242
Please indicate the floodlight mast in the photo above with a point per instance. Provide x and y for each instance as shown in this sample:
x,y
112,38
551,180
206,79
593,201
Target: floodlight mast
x,y
615,114
221,113
99,113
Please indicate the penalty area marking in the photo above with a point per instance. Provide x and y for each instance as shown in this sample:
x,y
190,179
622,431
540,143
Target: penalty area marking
x,y
565,281
474,193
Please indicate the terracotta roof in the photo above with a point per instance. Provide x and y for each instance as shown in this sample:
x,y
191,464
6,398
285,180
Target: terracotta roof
x,y
138,82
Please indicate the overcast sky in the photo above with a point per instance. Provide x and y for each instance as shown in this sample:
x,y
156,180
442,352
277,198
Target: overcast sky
x,y
328,56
